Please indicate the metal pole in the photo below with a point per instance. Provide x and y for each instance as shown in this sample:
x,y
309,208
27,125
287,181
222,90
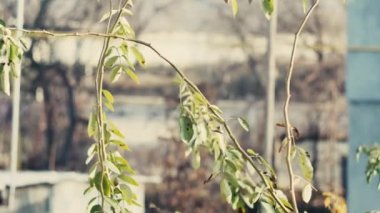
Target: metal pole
x,y
16,114
271,80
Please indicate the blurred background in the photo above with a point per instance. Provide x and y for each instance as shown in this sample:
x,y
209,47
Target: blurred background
x,y
225,56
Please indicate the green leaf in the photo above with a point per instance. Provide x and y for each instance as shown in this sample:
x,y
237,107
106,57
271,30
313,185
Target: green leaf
x,y
108,95
91,126
251,152
112,167
13,52
305,5
128,179
243,123
226,190
127,11
139,57
89,158
108,15
305,164
111,61
92,170
96,209
268,7
306,193
106,187
89,189
5,80
109,105
115,130
97,180
186,129
115,73
234,6
132,75
121,144
216,109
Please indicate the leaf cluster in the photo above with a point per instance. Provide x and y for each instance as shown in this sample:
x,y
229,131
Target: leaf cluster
x,y
201,128
373,161
11,52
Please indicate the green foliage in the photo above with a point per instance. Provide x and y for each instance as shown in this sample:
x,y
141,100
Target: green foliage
x,y
268,7
373,161
11,52
246,178
201,128
305,163
243,123
111,175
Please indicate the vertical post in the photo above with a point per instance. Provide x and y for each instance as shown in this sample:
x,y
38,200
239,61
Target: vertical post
x,y
270,87
16,113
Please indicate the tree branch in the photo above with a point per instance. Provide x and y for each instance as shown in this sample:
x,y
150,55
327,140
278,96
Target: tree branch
x,y
182,76
288,126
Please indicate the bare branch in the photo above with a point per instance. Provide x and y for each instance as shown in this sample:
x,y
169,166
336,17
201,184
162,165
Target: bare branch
x,y
289,133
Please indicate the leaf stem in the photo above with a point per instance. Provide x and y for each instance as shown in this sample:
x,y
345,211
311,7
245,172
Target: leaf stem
x,y
288,126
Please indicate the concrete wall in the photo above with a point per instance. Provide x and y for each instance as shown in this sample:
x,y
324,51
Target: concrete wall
x,y
363,88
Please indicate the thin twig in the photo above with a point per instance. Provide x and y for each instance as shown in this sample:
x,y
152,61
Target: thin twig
x,y
182,76
286,108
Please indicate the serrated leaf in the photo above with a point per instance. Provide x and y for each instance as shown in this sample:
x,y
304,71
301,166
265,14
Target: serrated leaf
x,y
305,164
306,193
268,7
128,179
186,129
243,123
139,57
234,6
112,167
108,95
132,75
